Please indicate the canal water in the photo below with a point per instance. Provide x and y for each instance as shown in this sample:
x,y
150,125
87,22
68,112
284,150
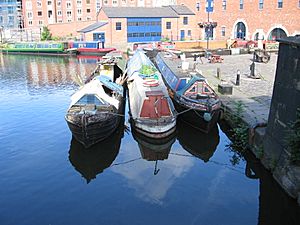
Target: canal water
x,y
46,177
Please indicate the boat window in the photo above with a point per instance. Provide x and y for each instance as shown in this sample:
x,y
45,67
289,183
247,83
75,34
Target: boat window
x,y
192,90
181,84
39,45
89,99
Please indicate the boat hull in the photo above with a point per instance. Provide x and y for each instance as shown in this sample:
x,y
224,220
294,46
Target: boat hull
x,y
91,129
195,118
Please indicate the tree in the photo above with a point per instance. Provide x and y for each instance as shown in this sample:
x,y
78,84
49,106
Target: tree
x,y
46,35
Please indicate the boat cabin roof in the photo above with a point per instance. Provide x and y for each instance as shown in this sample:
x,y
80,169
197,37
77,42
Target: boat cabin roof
x,y
107,82
174,63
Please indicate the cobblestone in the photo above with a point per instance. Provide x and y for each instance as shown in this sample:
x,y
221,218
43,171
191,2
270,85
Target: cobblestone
x,y
255,94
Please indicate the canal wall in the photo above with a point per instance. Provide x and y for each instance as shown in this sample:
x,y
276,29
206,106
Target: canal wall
x,y
268,119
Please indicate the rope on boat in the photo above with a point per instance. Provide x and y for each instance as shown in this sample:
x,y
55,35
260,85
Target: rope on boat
x,y
179,113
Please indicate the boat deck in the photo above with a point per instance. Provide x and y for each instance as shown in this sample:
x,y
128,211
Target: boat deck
x,y
175,65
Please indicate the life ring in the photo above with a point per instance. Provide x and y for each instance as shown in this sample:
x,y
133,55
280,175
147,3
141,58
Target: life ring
x,y
150,83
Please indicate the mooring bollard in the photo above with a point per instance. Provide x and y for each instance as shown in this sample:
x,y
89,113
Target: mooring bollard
x,y
238,75
219,73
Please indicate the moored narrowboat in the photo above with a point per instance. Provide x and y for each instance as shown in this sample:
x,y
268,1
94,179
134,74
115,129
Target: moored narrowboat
x,y
196,102
56,48
90,48
151,109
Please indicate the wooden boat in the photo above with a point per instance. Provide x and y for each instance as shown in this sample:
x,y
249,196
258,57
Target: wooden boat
x,y
47,48
199,144
151,109
94,160
196,102
97,107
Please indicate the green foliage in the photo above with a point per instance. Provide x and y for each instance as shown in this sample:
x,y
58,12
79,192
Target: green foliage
x,y
165,39
147,70
56,38
240,130
238,134
293,139
46,35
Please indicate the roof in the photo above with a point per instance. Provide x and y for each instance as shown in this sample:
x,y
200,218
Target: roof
x,y
181,10
132,12
92,27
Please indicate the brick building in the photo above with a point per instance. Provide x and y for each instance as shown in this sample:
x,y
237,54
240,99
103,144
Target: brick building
x,y
247,19
38,13
243,19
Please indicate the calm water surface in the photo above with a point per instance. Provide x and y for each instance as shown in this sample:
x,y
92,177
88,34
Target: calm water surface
x,y
47,178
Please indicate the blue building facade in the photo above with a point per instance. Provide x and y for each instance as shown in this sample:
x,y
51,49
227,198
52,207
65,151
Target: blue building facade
x,y
144,29
10,14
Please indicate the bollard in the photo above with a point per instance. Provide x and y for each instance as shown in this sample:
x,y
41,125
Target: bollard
x,y
219,73
252,69
238,75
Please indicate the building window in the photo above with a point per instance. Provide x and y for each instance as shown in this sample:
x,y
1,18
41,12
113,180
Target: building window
x,y
224,4
58,3
261,4
185,20
30,22
79,2
10,10
69,14
69,5
49,3
189,34
88,10
223,31
280,4
105,2
115,3
88,18
40,13
198,6
28,5
118,26
29,15
59,13
79,19
40,22
241,4
79,12
168,25
39,3
88,1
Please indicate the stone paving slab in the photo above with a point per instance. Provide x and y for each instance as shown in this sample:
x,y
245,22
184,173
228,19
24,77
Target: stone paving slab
x,y
255,94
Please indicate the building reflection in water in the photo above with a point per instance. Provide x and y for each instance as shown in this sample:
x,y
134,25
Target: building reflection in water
x,y
199,144
94,160
153,149
48,70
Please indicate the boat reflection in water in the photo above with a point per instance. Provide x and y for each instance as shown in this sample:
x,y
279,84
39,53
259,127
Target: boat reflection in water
x,y
199,144
95,159
153,149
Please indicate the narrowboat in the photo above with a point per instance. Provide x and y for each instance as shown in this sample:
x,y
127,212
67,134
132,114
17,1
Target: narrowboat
x,y
51,48
150,107
189,138
90,48
94,160
196,102
97,107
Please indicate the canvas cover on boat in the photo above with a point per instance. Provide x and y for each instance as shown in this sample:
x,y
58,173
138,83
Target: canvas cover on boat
x,y
94,87
107,82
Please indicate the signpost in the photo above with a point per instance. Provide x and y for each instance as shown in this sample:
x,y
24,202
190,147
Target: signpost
x,y
209,8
